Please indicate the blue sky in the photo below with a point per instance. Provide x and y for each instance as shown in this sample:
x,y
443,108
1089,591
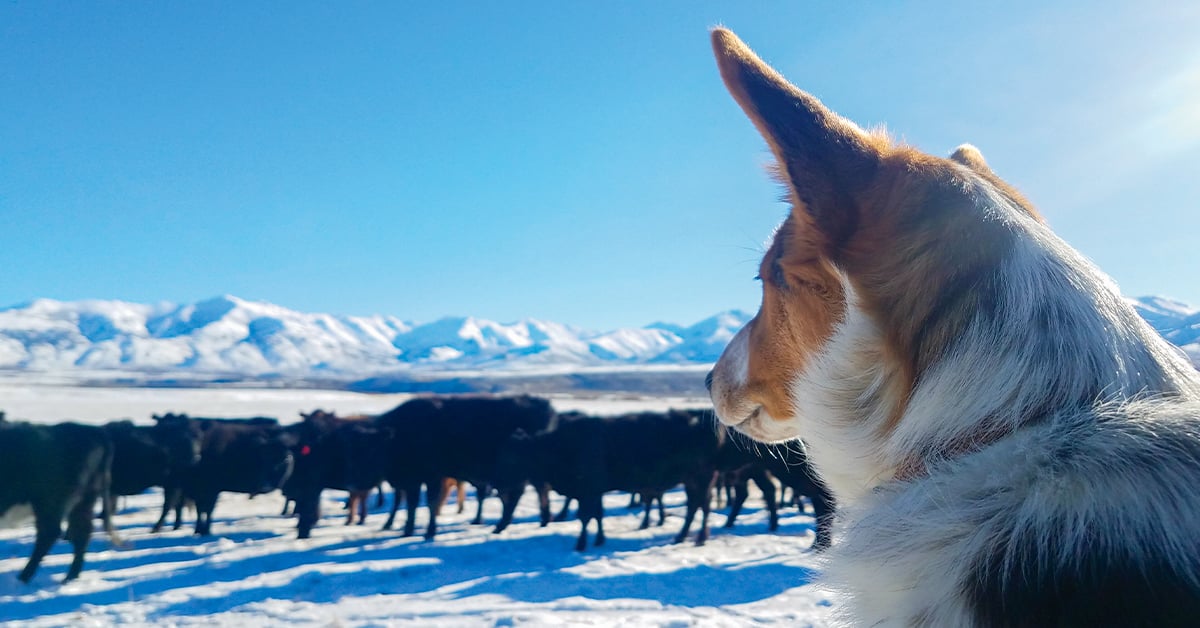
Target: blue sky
x,y
578,162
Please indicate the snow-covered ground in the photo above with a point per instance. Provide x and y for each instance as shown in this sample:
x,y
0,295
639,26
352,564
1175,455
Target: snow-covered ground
x,y
254,572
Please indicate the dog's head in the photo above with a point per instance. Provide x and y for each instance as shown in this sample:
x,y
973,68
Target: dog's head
x,y
877,232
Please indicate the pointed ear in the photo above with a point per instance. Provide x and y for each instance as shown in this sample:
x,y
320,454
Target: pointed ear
x,y
826,160
970,157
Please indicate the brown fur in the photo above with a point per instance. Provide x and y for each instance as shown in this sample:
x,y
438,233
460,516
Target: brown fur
x,y
357,503
459,487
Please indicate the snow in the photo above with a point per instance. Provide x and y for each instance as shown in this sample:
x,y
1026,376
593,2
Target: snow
x,y
254,572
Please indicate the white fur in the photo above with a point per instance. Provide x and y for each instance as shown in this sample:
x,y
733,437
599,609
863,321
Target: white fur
x,y
1068,363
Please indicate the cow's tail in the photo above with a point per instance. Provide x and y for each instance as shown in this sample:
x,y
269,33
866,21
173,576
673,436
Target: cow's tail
x,y
106,495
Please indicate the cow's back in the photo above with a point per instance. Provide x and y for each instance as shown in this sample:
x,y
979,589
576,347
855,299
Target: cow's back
x,y
653,449
239,457
472,429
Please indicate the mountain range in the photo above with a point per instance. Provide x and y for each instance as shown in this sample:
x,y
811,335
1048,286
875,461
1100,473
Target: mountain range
x,y
230,338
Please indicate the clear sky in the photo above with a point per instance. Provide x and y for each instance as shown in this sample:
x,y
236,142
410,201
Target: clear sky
x,y
572,161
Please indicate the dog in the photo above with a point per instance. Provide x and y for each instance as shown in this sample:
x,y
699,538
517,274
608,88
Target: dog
x,y
1011,444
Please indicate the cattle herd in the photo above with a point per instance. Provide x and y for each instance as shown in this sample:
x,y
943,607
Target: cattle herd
x,y
497,444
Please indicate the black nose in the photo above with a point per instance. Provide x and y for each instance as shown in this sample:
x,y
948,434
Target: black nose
x,y
708,381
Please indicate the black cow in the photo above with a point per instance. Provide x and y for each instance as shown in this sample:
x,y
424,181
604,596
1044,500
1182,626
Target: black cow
x,y
739,462
793,470
146,456
333,452
241,456
56,470
460,437
747,460
648,453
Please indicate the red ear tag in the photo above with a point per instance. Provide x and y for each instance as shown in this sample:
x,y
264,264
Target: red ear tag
x,y
305,450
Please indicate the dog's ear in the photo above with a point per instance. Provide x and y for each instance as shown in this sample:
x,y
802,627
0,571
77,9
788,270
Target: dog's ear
x,y
826,160
970,157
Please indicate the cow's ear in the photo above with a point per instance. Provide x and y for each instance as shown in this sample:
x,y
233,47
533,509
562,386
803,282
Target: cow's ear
x,y
823,158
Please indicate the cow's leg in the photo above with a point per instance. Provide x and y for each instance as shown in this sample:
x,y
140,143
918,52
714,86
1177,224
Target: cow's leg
x,y
363,498
566,510
460,495
397,494
647,506
434,488
79,532
179,504
171,495
586,514
581,542
543,504
441,503
634,500
687,519
287,501
767,487
699,493
705,508
509,499
351,506
49,527
741,490
205,504
308,513
412,496
591,507
480,494
599,510
543,491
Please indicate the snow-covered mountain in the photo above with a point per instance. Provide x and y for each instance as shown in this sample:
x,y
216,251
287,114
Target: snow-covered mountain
x,y
228,336
231,337
1178,322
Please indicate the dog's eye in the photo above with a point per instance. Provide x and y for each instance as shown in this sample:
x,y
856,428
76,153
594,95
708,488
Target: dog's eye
x,y
777,275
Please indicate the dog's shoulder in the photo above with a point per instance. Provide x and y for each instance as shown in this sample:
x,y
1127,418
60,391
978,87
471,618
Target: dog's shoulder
x,y
1085,519
1106,533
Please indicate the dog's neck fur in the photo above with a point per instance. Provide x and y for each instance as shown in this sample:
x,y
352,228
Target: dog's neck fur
x,y
1060,337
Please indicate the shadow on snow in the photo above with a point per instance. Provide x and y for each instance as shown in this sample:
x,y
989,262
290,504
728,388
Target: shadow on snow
x,y
257,565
